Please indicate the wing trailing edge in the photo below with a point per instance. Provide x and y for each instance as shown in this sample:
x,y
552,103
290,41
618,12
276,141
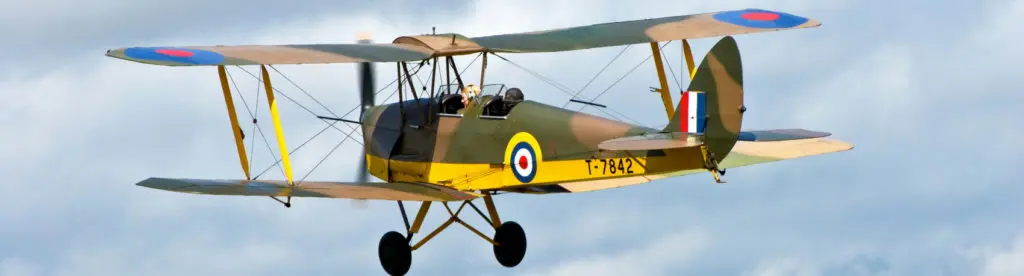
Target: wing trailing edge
x,y
351,190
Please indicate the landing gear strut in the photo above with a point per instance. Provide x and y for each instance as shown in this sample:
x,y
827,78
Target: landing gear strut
x,y
509,240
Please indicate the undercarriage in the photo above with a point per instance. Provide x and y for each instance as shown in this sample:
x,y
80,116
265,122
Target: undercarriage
x,y
395,249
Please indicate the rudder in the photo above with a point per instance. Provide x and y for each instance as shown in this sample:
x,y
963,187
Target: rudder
x,y
712,106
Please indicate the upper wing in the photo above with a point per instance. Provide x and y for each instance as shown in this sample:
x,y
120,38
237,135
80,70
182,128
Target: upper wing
x,y
367,190
411,48
272,54
648,30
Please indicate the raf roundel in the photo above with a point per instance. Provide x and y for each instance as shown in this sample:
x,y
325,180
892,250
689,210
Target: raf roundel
x,y
762,19
523,162
177,55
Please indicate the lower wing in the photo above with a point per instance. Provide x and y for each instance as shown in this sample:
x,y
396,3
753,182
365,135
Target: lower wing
x,y
353,190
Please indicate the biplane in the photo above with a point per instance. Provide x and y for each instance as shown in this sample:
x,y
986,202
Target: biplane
x,y
452,146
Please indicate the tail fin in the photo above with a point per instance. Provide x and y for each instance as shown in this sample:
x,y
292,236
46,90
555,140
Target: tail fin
x,y
713,104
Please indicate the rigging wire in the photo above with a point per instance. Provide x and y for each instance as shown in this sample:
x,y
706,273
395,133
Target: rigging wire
x,y
322,160
348,135
330,124
627,73
256,127
623,77
664,59
598,74
558,86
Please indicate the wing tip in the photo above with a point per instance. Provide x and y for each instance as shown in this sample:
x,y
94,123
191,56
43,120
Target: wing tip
x,y
776,135
162,183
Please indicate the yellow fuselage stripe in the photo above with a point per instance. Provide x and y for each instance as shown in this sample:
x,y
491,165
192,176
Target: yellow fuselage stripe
x,y
497,176
237,130
277,124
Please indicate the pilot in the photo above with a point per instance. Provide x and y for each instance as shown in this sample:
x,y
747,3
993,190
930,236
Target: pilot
x,y
469,93
513,96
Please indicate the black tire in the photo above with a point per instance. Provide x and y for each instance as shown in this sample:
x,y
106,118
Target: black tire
x,y
394,253
511,246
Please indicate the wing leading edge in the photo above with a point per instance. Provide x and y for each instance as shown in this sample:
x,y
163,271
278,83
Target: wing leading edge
x,y
414,48
353,190
662,29
272,54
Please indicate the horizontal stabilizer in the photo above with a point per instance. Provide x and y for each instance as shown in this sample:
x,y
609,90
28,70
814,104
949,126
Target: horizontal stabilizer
x,y
763,152
780,135
654,141
353,190
747,153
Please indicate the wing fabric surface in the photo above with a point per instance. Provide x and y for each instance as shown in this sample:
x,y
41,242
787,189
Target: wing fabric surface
x,y
366,190
780,135
272,54
669,140
648,30
744,153
653,141
419,47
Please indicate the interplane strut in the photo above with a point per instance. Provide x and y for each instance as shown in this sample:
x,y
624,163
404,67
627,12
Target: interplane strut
x,y
233,117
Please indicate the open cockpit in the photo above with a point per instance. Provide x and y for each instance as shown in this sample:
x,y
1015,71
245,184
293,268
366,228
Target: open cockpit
x,y
497,101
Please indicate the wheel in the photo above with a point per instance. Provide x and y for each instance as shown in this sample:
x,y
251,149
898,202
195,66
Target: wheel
x,y
511,245
395,254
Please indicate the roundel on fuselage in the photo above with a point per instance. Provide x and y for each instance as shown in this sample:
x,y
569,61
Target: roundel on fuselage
x,y
523,156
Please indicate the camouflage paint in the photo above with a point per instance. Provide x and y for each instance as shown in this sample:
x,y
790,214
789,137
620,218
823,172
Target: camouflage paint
x,y
720,76
420,47
407,143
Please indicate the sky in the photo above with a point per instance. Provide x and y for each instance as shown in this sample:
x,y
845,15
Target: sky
x,y
928,91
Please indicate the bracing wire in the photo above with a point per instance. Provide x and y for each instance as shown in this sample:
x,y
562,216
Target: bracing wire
x,y
598,74
664,59
256,127
348,135
558,86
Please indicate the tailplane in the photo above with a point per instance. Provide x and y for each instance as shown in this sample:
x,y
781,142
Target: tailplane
x,y
709,115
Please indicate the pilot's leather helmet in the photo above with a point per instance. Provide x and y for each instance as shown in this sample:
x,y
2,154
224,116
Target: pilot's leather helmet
x,y
513,96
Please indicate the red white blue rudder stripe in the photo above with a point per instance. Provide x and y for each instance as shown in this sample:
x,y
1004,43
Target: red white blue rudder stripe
x,y
692,111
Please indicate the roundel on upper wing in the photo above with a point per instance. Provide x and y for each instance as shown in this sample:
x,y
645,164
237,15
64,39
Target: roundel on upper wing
x,y
755,18
179,55
523,162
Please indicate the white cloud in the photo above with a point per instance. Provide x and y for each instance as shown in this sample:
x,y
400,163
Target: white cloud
x,y
782,266
658,257
85,133
1001,261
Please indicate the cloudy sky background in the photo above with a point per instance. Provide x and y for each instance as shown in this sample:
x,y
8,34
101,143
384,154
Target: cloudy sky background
x,y
927,91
